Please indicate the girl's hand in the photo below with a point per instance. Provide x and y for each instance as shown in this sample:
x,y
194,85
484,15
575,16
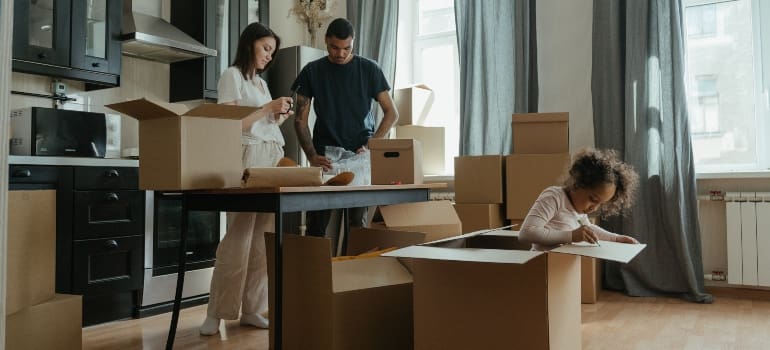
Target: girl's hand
x,y
626,239
584,234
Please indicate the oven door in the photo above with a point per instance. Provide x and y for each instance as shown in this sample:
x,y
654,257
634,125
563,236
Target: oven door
x,y
163,224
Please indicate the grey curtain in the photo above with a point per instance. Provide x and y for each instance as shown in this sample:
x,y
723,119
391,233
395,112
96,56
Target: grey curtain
x,y
376,25
498,71
640,109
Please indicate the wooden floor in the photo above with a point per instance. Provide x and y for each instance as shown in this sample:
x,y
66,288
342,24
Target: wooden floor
x,y
736,320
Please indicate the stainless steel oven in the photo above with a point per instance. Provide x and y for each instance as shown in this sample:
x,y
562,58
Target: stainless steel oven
x,y
163,221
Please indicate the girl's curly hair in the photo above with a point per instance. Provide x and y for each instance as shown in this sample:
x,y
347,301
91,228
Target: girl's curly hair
x,y
591,167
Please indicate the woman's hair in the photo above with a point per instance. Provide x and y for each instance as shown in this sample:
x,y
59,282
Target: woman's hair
x,y
592,167
245,56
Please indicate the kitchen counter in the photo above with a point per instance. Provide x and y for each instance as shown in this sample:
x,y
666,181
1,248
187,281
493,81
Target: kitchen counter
x,y
73,161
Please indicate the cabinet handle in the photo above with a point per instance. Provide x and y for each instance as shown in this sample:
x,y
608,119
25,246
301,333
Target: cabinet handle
x,y
111,173
22,173
111,244
111,197
41,55
95,64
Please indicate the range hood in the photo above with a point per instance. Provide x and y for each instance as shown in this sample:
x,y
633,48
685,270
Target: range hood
x,y
153,38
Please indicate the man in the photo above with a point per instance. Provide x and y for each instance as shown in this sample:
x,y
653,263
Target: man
x,y
342,87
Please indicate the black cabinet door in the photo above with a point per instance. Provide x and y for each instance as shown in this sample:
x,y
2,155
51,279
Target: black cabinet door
x,y
95,41
41,31
108,265
100,214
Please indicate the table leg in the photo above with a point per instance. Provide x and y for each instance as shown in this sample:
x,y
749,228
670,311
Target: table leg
x,y
278,312
345,230
179,276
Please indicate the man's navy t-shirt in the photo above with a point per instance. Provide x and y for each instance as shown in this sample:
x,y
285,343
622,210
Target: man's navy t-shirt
x,y
342,98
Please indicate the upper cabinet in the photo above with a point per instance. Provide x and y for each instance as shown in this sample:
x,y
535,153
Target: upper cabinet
x,y
71,39
217,24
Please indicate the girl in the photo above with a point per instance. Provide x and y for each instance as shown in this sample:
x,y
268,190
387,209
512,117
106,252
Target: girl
x,y
239,281
597,181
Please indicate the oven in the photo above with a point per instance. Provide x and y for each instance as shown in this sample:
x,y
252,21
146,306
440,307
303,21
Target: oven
x,y
163,222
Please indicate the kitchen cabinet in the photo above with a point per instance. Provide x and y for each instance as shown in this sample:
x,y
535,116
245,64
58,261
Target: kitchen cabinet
x,y
99,234
71,39
217,24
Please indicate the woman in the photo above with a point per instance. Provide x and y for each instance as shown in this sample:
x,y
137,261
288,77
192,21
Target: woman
x,y
240,272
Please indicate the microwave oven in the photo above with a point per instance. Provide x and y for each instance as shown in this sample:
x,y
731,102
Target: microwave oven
x,y
38,131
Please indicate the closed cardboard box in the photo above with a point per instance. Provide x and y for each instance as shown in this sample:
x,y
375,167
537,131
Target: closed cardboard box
x,y
181,149
53,324
396,161
480,179
432,140
31,260
590,280
535,133
413,104
529,174
349,304
476,217
479,291
437,219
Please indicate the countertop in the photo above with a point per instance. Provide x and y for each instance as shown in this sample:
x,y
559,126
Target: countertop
x,y
72,161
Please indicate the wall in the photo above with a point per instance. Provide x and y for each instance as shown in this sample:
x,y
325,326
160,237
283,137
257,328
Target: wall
x,y
6,9
293,31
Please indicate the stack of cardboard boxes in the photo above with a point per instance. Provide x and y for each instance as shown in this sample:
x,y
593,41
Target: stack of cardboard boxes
x,y
413,104
36,317
480,191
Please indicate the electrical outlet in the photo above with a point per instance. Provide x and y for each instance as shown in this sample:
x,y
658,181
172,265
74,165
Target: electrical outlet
x,y
58,88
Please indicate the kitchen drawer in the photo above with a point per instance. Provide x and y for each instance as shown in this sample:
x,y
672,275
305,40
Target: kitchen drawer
x,y
108,265
100,214
106,178
32,174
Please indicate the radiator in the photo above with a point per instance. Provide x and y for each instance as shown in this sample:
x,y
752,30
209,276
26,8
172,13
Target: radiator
x,y
748,238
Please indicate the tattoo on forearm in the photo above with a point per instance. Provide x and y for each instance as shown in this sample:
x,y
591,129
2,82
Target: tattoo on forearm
x,y
303,134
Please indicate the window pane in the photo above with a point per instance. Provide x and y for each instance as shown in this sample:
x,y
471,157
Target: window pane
x,y
441,74
41,24
436,16
96,28
721,77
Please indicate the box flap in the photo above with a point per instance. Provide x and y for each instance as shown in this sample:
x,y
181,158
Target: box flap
x,y
212,110
419,214
466,254
361,239
144,109
620,252
541,117
349,275
391,144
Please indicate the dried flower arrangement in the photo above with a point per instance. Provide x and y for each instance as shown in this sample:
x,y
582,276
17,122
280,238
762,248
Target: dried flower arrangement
x,y
314,13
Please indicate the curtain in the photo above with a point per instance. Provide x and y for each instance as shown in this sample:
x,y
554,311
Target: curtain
x,y
640,109
376,25
498,71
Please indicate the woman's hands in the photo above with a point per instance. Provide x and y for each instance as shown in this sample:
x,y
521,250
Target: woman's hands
x,y
280,108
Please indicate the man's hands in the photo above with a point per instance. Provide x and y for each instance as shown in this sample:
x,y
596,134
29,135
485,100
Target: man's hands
x,y
321,161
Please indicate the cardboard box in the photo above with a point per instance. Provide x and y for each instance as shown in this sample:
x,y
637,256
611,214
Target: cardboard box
x,y
535,133
437,219
53,324
590,280
350,304
478,291
476,217
480,179
181,149
432,140
31,264
396,161
527,175
413,104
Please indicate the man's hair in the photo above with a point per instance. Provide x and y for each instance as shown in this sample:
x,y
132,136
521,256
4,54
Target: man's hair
x,y
340,28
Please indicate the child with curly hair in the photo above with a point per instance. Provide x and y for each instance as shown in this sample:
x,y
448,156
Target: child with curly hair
x,y
598,181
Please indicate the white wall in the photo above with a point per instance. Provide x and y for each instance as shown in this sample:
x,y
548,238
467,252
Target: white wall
x,y
293,31
564,64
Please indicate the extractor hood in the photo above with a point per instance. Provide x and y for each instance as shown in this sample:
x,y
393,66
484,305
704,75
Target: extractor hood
x,y
153,38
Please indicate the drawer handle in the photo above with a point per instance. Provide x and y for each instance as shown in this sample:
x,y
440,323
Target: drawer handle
x,y
22,173
112,173
111,244
42,55
111,197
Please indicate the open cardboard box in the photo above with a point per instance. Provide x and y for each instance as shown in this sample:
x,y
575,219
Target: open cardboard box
x,y
181,149
349,304
437,219
413,104
482,291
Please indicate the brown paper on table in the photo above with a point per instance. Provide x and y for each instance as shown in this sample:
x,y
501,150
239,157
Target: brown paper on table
x,y
281,177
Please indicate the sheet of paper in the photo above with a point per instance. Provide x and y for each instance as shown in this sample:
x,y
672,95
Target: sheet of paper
x,y
620,252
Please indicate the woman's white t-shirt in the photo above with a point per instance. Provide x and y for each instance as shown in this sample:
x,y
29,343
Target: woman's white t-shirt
x,y
232,87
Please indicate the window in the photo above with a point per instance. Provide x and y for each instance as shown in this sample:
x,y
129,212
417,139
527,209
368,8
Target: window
x,y
726,93
427,37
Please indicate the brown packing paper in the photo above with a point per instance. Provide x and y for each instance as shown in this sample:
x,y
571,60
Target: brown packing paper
x,y
281,177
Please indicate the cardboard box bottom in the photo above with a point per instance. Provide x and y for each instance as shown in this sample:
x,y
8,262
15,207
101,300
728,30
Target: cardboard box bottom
x,y
590,279
54,324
